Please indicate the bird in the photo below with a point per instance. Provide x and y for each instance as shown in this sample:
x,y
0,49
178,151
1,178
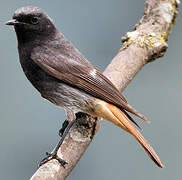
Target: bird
x,y
62,75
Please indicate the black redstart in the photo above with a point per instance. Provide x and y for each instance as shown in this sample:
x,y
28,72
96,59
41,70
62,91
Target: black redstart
x,y
63,75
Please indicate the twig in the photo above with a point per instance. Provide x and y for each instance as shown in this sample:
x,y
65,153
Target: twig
x,y
145,44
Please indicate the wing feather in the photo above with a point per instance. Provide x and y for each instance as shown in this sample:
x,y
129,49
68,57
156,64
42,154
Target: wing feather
x,y
79,75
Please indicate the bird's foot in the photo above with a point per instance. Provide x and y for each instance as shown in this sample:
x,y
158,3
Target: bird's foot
x,y
50,156
53,155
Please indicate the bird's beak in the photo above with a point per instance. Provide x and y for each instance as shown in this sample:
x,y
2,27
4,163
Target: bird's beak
x,y
12,22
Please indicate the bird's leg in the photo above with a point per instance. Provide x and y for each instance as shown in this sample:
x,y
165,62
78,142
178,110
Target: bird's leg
x,y
63,128
94,128
53,154
70,117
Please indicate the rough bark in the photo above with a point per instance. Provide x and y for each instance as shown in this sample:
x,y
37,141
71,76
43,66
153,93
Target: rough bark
x,y
144,44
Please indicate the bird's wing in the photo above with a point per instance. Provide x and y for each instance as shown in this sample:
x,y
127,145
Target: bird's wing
x,y
81,75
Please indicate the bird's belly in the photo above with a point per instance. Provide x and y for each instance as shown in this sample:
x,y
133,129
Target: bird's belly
x,y
68,97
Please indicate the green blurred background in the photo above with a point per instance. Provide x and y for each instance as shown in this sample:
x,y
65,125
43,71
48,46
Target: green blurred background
x,y
29,124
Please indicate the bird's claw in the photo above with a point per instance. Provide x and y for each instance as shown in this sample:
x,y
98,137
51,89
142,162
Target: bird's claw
x,y
50,156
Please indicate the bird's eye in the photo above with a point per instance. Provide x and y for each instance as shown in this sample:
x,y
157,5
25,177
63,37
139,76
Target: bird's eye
x,y
34,20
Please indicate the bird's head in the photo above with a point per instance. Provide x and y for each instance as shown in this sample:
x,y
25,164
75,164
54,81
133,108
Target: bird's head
x,y
30,22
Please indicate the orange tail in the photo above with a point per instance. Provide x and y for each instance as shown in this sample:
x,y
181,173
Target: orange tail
x,y
119,118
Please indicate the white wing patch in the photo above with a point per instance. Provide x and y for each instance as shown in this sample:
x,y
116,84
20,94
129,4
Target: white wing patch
x,y
93,72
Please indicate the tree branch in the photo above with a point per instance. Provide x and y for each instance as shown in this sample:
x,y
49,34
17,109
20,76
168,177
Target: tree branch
x,y
145,44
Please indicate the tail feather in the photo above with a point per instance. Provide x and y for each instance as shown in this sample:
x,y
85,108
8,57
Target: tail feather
x,y
121,119
130,109
131,119
124,121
